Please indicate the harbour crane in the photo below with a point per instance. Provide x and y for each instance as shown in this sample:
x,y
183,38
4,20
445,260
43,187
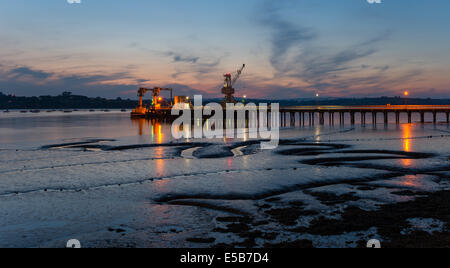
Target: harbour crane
x,y
155,95
141,110
230,81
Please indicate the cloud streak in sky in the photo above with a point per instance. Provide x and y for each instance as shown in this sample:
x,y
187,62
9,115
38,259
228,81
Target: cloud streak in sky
x,y
292,48
180,58
285,35
299,57
27,81
25,71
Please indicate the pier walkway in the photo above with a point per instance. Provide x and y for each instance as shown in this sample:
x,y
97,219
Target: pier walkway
x,y
310,113
307,115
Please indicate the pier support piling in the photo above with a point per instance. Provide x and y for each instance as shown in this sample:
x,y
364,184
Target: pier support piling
x,y
342,118
321,118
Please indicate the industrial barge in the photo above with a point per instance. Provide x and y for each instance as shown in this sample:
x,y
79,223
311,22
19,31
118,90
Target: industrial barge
x,y
160,108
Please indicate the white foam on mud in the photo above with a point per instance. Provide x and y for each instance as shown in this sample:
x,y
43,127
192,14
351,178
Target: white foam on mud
x,y
189,153
238,151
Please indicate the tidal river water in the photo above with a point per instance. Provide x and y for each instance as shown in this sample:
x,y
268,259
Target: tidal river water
x,y
109,181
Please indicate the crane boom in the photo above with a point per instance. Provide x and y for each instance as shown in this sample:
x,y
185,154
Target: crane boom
x,y
228,89
236,77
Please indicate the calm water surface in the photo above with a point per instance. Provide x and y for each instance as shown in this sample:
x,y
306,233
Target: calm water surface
x,y
29,129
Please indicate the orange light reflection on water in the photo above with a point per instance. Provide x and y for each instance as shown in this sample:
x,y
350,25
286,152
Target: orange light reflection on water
x,y
154,129
407,143
410,180
160,134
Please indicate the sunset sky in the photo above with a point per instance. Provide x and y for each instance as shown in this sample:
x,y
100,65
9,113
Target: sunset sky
x,y
293,49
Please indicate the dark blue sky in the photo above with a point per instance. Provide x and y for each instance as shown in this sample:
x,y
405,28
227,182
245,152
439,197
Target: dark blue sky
x,y
293,49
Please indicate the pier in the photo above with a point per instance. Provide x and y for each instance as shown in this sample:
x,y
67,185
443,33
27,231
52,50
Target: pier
x,y
338,114
313,115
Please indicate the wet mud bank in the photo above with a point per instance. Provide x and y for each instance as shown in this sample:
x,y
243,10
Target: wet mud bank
x,y
319,188
395,207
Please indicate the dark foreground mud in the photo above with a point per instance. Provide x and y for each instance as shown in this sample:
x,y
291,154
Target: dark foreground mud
x,y
392,208
391,222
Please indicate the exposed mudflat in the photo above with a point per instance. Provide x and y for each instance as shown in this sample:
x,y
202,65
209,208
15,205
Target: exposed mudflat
x,y
322,187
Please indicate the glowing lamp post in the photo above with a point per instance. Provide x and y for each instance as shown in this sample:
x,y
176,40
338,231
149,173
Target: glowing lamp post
x,y
406,94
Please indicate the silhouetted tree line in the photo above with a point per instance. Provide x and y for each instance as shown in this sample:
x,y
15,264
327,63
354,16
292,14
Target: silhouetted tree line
x,y
69,101
64,101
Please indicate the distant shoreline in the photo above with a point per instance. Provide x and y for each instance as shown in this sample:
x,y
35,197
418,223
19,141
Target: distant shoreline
x,y
62,102
69,101
23,110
